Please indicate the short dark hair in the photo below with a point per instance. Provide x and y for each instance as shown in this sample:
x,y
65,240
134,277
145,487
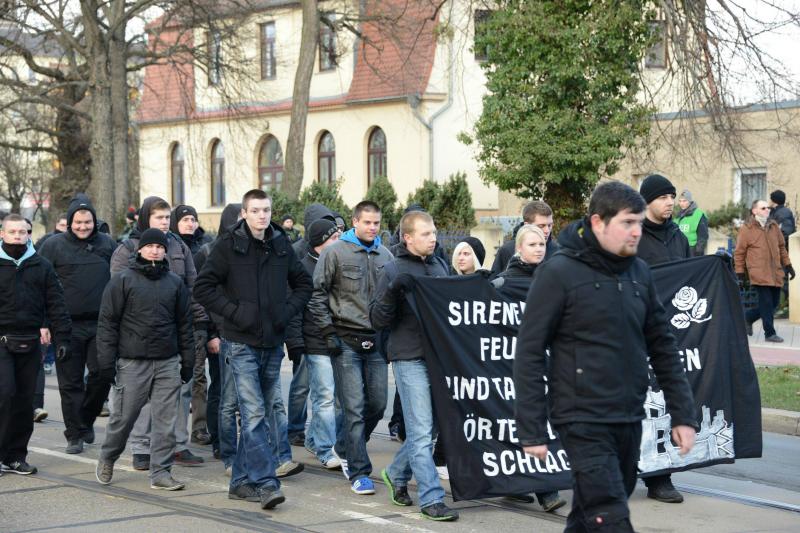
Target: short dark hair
x,y
13,217
409,220
62,215
160,205
612,197
365,205
534,209
254,194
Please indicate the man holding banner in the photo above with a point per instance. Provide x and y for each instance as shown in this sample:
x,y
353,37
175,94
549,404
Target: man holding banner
x,y
598,312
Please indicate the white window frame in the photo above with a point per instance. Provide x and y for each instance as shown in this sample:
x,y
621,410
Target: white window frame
x,y
739,173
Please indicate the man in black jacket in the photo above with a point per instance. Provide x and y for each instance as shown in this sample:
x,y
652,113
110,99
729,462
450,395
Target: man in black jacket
x,y
30,296
145,322
537,213
414,257
245,279
781,214
60,227
81,257
662,241
595,307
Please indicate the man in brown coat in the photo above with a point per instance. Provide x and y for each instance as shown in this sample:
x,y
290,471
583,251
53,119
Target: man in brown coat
x,y
760,249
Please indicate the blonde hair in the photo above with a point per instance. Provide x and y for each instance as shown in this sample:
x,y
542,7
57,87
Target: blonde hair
x,y
524,230
460,246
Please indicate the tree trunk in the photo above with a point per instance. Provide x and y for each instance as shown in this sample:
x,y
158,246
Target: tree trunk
x,y
73,155
295,145
118,54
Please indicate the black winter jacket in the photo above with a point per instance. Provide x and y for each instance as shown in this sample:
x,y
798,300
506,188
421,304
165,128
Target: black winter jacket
x,y
785,219
145,314
509,248
31,297
311,214
82,265
389,310
303,331
518,269
600,318
245,281
662,243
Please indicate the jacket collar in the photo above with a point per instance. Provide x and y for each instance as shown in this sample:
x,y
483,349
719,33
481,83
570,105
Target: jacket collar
x,y
242,238
350,236
17,262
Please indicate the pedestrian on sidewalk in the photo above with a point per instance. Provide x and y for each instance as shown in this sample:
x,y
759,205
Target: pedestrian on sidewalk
x,y
81,257
245,279
144,340
761,251
595,307
30,295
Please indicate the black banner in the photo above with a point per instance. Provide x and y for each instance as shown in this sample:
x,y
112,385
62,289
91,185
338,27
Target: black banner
x,y
470,328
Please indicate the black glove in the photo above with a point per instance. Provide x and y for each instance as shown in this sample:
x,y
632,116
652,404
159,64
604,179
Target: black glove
x,y
107,375
790,271
187,373
64,351
741,276
402,283
334,345
296,354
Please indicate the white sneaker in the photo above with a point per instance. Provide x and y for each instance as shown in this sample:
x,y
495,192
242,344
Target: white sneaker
x,y
228,470
39,414
343,464
443,472
332,463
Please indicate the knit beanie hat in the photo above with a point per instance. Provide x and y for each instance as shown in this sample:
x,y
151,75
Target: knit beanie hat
x,y
477,248
778,196
654,186
320,231
184,211
153,236
686,195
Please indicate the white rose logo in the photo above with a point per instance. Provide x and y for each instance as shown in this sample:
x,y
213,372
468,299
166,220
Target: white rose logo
x,y
686,299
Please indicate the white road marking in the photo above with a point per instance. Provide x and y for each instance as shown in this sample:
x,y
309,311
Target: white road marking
x,y
378,521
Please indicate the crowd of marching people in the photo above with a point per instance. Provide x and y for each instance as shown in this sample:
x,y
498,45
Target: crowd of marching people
x,y
181,336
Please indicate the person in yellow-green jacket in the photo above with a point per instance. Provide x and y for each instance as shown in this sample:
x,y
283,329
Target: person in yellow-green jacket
x,y
693,223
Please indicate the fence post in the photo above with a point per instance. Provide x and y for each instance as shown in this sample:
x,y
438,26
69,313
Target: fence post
x,y
794,285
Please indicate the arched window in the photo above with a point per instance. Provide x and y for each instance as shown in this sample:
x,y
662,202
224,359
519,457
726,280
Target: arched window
x,y
176,170
217,174
326,158
376,155
270,165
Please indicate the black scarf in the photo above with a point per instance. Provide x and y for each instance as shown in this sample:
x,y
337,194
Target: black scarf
x,y
599,258
15,250
659,231
152,269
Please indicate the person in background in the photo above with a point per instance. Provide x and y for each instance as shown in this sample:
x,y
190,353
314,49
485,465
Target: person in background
x,y
761,251
131,216
39,412
468,256
693,222
537,213
60,227
287,223
784,217
48,349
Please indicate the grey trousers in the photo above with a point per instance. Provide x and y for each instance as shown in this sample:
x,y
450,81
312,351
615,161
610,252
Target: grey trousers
x,y
140,380
140,436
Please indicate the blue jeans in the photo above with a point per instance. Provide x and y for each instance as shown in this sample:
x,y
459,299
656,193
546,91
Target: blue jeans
x,y
298,396
228,405
415,456
256,374
321,434
361,383
278,435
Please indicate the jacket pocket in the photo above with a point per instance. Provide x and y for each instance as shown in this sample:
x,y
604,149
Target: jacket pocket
x,y
351,277
246,317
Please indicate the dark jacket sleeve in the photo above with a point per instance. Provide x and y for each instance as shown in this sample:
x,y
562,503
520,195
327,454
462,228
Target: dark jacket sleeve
x,y
663,350
183,320
57,313
112,307
213,275
543,309
500,261
301,285
702,236
324,274
294,333
383,308
198,312
120,258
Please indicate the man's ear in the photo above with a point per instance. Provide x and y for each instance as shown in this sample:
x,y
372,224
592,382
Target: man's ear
x,y
597,223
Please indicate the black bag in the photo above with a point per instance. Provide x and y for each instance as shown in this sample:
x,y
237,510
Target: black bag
x,y
20,344
360,342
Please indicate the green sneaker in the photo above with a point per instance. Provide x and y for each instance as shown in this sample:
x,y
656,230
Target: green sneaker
x,y
398,495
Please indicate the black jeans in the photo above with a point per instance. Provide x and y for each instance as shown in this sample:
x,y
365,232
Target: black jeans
x,y
768,300
603,458
212,405
81,402
18,374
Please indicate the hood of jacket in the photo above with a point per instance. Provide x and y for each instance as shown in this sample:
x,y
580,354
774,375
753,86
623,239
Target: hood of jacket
x,y
229,217
689,210
144,212
81,202
519,268
315,212
242,237
29,251
350,236
579,242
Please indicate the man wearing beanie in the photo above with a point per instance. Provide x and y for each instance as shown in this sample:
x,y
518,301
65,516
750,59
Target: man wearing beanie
x,y
781,214
147,351
81,257
662,241
305,341
287,223
693,223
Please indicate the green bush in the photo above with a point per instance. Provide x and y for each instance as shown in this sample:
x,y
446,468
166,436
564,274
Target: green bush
x,y
425,196
723,217
382,193
327,195
283,205
452,207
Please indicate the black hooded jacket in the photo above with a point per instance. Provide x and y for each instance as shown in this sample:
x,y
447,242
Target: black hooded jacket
x,y
245,281
785,219
145,314
194,241
600,316
311,214
303,331
662,243
82,265
518,269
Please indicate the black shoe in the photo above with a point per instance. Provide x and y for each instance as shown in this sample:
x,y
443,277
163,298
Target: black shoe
x,y
774,338
201,437
522,498
246,492
398,495
88,437
19,467
187,458
664,492
439,512
216,453
298,440
74,446
550,501
141,461
394,429
270,497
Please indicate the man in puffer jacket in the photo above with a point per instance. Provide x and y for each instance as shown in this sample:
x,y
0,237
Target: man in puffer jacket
x,y
144,324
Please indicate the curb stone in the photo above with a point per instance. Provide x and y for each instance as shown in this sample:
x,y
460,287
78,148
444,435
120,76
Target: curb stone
x,y
780,421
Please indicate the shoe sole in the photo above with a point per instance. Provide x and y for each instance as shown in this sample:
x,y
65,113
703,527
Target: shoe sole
x,y
247,499
273,501
440,519
40,417
666,500
296,470
557,505
141,468
390,487
74,451
363,492
332,467
179,486
12,471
